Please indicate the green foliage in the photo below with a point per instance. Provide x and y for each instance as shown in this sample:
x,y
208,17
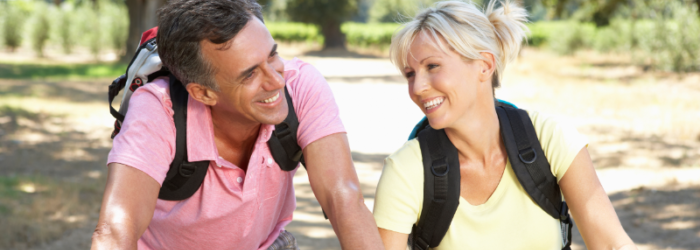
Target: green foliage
x,y
73,23
357,34
40,28
294,32
114,18
374,34
397,10
563,37
66,30
60,71
13,25
672,42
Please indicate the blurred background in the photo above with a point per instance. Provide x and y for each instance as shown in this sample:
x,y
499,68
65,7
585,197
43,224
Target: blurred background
x,y
626,73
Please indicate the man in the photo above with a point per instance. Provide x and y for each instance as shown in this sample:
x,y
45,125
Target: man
x,y
227,59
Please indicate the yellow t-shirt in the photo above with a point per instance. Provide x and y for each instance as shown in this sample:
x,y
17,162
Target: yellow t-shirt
x,y
509,219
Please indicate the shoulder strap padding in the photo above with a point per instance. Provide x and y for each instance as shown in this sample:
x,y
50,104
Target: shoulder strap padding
x,y
184,178
528,160
283,142
441,188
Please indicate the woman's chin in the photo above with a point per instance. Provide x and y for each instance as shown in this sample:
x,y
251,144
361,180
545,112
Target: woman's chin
x,y
437,123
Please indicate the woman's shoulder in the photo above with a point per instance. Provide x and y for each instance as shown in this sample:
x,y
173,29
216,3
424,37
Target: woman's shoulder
x,y
410,151
559,138
399,195
407,162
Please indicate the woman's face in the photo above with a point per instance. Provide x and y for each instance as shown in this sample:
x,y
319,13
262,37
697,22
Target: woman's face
x,y
444,84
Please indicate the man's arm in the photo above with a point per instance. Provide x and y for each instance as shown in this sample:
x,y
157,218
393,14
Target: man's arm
x,y
127,208
337,188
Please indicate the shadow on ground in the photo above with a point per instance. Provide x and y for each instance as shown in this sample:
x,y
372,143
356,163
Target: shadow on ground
x,y
667,218
635,150
73,91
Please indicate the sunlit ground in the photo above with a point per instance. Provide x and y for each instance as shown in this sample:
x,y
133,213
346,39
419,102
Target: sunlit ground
x,y
642,127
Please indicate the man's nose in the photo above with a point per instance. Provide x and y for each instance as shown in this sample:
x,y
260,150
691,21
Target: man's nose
x,y
273,79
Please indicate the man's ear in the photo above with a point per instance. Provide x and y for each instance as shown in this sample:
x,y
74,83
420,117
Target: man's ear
x,y
488,66
202,94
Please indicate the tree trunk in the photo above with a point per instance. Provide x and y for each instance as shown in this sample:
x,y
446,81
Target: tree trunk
x,y
560,8
698,3
603,15
142,17
333,37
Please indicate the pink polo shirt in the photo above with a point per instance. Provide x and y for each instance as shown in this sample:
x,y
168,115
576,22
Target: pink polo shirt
x,y
232,209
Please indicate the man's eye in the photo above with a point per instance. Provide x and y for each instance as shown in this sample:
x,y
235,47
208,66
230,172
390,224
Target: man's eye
x,y
250,75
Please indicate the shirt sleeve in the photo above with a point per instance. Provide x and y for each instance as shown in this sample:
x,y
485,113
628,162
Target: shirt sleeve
x,y
399,197
147,138
314,103
560,141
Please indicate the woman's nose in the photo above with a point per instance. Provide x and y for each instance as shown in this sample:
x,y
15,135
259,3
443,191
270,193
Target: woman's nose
x,y
420,84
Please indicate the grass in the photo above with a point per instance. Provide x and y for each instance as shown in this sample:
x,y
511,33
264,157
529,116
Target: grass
x,y
60,71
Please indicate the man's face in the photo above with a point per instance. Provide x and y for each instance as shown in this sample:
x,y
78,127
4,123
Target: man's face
x,y
249,75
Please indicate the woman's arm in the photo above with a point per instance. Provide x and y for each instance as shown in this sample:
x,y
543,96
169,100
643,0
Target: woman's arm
x,y
393,240
591,208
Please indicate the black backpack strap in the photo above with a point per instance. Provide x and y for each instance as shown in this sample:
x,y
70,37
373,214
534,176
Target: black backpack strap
x,y
184,178
440,189
283,142
531,166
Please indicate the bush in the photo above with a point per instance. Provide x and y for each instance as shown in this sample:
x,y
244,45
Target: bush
x,y
65,31
371,34
567,37
672,43
115,20
13,25
40,28
294,32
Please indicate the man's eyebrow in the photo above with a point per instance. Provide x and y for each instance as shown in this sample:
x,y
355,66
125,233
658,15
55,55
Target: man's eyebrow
x,y
246,72
252,68
274,50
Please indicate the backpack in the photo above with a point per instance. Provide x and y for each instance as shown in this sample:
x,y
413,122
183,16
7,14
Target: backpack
x,y
441,186
184,178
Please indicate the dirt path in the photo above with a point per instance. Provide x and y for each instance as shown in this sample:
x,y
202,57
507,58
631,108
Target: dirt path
x,y
642,128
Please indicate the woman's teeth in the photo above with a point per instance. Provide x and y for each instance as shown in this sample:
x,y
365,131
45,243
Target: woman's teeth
x,y
271,99
433,103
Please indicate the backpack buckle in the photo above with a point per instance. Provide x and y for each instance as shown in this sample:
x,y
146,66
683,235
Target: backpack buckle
x,y
187,169
282,130
526,152
440,167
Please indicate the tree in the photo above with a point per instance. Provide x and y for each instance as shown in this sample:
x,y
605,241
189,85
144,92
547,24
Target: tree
x,y
326,14
602,16
142,16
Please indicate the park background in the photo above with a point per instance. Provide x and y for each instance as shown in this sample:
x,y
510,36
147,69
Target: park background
x,y
626,73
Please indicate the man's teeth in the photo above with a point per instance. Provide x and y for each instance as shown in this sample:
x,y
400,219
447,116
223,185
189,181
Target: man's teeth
x,y
433,103
271,99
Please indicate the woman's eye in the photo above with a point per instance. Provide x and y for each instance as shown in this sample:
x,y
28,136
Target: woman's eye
x,y
432,66
410,74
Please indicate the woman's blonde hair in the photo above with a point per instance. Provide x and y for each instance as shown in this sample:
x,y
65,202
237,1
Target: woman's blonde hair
x,y
468,31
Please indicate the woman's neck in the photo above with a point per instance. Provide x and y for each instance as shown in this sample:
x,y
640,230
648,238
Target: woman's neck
x,y
476,134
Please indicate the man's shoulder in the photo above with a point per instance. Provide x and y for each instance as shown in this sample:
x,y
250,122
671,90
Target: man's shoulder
x,y
159,87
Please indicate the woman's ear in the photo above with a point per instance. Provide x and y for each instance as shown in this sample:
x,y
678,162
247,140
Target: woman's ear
x,y
202,94
488,66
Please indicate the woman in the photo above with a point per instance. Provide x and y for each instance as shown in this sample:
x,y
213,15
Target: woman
x,y
453,57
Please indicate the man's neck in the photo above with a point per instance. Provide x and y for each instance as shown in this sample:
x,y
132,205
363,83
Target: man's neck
x,y
234,138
